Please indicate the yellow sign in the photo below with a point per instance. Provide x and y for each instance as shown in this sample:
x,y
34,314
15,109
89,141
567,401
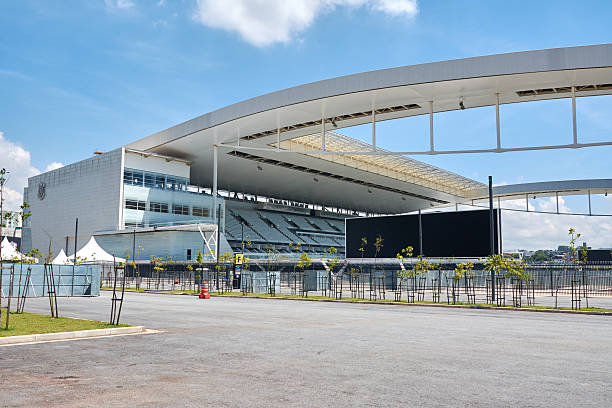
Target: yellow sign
x,y
238,258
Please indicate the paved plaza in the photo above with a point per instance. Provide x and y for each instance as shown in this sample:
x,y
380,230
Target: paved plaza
x,y
263,352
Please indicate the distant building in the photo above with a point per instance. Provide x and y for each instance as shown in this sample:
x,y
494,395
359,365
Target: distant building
x,y
11,226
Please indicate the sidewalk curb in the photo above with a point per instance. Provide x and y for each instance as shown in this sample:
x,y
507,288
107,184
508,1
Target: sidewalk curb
x,y
79,334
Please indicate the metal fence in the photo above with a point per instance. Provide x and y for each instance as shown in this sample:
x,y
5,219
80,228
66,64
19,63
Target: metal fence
x,y
578,282
31,280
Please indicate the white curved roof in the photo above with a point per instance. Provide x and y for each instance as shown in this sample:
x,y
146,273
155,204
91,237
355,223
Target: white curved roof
x,y
348,101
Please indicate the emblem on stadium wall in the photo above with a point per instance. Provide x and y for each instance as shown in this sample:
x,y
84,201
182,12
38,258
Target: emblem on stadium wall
x,y
42,191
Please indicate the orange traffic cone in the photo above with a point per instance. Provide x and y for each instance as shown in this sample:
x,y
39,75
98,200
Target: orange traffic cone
x,y
204,292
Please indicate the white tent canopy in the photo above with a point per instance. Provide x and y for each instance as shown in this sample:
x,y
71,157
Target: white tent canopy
x,y
92,252
62,259
9,250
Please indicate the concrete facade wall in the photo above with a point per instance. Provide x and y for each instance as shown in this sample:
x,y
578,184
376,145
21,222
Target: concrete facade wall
x,y
156,164
89,190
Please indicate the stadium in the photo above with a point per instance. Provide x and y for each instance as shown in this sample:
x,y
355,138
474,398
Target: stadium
x,y
276,170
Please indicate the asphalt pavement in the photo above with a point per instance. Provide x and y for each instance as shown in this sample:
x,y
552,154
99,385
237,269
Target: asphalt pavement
x,y
238,352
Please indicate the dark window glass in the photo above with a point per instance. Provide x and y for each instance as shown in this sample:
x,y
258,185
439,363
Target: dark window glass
x,y
137,177
134,225
149,180
159,207
128,177
160,181
180,209
200,212
135,205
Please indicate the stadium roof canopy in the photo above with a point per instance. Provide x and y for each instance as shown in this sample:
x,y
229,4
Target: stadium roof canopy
x,y
339,171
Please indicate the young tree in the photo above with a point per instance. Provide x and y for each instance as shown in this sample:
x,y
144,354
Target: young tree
x,y
463,269
577,254
330,263
378,245
404,274
3,180
304,262
22,216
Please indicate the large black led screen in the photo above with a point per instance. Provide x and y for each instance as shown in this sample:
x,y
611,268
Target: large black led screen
x,y
446,234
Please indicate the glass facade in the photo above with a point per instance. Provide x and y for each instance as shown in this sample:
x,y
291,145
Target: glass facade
x,y
146,205
158,207
135,205
180,209
200,212
154,180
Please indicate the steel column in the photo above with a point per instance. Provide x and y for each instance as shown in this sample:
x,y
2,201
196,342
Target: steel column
x,y
497,120
420,234
76,234
323,134
373,129
431,129
574,115
214,190
491,235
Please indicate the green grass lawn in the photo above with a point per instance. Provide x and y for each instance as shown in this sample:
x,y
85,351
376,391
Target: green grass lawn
x,y
33,323
590,309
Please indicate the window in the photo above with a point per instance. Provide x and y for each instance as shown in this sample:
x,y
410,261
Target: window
x,y
135,205
180,209
134,225
133,177
149,180
189,254
158,207
200,212
154,180
173,183
160,181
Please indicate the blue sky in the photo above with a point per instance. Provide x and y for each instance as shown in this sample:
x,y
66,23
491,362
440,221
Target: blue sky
x,y
80,76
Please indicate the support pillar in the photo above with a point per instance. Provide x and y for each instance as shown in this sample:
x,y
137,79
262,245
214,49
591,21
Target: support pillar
x,y
431,129
214,189
323,133
575,129
420,234
491,235
373,129
497,121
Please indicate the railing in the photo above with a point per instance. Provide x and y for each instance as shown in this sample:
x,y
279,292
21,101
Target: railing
x,y
566,285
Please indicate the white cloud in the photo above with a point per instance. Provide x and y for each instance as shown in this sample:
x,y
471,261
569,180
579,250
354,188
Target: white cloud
x,y
265,22
17,161
119,4
522,230
53,166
